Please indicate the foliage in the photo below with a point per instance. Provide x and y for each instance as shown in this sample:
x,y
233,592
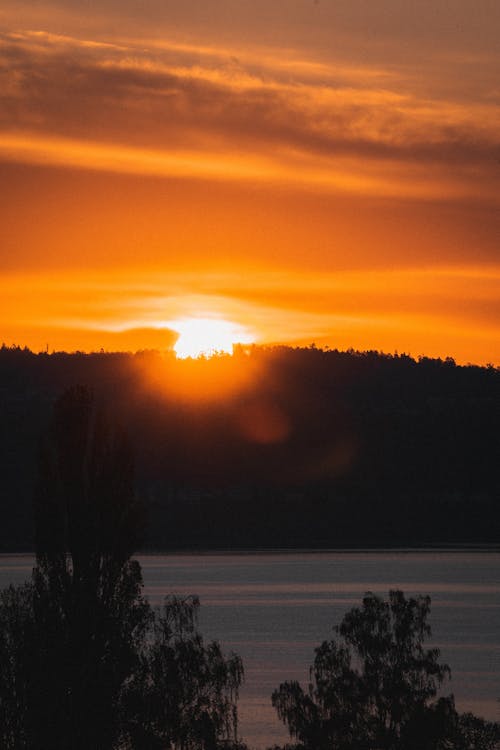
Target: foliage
x,y
16,653
79,644
474,733
372,686
184,695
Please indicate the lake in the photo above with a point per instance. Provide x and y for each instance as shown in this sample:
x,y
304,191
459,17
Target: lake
x,y
275,608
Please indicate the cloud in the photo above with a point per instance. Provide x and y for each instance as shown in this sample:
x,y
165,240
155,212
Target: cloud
x,y
333,125
427,28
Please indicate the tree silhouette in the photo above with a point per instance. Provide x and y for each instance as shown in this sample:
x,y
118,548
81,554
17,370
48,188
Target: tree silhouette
x,y
372,685
79,644
184,694
474,733
16,653
89,611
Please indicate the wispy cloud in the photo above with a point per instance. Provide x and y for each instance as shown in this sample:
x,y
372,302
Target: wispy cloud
x,y
181,110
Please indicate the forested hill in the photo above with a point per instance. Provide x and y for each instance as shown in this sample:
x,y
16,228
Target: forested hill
x,y
275,447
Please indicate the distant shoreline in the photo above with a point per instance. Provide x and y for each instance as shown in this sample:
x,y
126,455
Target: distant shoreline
x,y
324,550
214,552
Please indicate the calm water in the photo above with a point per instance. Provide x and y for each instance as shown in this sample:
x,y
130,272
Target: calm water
x,y
273,609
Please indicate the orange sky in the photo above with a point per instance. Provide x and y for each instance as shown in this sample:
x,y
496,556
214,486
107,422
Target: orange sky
x,y
323,171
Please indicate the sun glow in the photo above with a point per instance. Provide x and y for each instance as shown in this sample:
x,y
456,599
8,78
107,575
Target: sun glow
x,y
207,336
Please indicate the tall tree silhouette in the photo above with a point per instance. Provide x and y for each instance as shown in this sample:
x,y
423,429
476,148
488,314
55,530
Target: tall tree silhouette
x,y
85,663
88,605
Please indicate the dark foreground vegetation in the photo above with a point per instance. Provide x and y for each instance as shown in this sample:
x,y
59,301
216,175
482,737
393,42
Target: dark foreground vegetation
x,y
86,663
276,447
374,686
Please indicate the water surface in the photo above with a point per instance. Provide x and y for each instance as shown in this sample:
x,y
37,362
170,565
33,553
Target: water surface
x,y
275,608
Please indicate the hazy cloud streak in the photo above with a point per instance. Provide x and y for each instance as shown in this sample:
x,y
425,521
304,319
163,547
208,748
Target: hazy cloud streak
x,y
57,87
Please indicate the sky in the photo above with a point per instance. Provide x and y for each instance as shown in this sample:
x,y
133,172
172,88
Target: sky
x,y
301,171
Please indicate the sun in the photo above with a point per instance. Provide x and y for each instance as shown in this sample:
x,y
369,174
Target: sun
x,y
207,336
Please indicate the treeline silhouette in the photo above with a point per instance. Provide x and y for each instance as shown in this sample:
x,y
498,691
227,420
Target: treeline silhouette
x,y
276,447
